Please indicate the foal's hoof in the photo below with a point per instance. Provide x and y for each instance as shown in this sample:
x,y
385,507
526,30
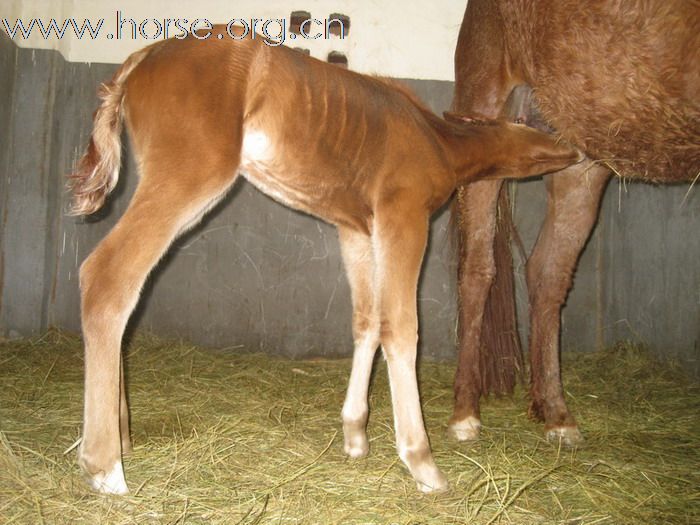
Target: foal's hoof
x,y
467,429
356,444
567,436
356,449
428,477
436,483
112,482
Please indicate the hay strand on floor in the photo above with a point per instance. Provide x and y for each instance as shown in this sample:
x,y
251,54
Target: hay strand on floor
x,y
224,437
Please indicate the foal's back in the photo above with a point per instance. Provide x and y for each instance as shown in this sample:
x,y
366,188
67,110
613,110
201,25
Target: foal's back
x,y
314,136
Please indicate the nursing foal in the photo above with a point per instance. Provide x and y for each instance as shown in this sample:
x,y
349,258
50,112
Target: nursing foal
x,y
355,151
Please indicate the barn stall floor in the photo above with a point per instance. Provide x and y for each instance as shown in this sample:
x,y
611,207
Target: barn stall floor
x,y
226,437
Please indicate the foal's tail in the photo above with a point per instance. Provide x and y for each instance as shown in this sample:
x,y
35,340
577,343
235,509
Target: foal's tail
x,y
97,171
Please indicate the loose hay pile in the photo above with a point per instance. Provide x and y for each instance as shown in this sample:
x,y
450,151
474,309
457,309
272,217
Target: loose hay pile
x,y
224,437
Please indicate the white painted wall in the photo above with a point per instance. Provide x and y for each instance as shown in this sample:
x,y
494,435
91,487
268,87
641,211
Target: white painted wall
x,y
389,37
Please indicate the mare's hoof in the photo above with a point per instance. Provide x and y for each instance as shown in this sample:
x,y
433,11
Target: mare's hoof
x,y
467,429
568,436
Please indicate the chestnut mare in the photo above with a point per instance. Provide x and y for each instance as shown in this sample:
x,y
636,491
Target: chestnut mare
x,y
620,80
355,151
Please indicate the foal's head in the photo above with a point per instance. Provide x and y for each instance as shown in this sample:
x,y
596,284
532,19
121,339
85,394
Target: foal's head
x,y
496,149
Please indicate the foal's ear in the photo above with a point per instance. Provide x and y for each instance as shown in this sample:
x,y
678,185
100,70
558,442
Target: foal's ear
x,y
518,151
459,118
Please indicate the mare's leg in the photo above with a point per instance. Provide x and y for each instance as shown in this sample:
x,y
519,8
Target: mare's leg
x,y
477,212
572,208
358,258
172,194
399,236
476,205
486,71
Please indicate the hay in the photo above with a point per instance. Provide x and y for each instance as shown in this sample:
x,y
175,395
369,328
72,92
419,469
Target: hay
x,y
224,437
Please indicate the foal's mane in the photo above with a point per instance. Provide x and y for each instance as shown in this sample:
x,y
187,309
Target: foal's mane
x,y
442,126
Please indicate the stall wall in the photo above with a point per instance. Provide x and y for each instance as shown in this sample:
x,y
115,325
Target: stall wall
x,y
260,276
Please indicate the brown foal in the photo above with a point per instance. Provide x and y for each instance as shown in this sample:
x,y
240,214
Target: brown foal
x,y
356,151
621,80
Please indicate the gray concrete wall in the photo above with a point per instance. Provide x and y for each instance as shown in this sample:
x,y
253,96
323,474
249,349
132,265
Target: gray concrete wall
x,y
29,189
262,276
8,60
638,278
651,273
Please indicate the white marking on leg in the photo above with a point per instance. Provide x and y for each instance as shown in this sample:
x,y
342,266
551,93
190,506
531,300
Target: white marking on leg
x,y
568,436
111,483
355,407
408,417
467,429
358,259
411,439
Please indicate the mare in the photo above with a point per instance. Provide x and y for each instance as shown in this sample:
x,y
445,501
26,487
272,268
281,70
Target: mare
x,y
618,79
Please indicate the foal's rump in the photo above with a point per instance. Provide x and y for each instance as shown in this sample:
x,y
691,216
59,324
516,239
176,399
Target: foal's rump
x,y
173,107
189,94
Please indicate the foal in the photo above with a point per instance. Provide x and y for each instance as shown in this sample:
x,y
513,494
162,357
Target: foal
x,y
355,151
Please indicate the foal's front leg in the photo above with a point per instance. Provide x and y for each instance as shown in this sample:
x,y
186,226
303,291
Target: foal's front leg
x,y
399,237
356,248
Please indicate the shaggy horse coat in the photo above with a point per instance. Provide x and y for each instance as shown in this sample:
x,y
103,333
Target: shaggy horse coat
x,y
620,80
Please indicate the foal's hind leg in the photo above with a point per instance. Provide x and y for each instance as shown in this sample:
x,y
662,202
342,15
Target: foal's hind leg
x,y
399,236
359,266
572,208
173,193
123,411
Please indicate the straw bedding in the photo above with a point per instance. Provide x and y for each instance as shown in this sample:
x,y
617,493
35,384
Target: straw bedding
x,y
221,436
